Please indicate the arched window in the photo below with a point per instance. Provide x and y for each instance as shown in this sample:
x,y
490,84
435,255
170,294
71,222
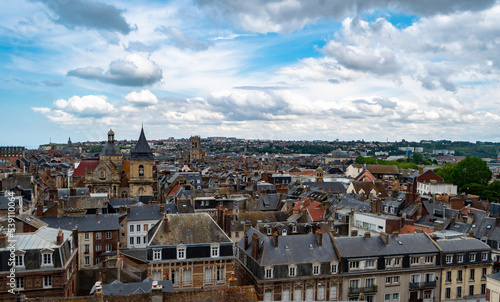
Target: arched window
x,y
124,194
141,170
102,174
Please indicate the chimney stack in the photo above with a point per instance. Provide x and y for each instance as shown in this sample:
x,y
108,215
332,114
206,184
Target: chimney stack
x,y
227,222
255,246
128,209
385,237
165,223
60,237
354,233
74,232
245,240
4,241
497,221
162,209
319,237
275,239
367,235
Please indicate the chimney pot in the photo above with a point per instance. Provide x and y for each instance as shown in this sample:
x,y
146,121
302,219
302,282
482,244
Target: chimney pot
x,y
165,223
367,235
275,239
60,237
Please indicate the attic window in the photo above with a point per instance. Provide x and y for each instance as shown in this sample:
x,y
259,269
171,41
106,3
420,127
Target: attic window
x,y
310,245
474,225
488,226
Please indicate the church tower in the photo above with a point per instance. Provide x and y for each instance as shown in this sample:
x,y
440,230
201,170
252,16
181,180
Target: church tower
x,y
141,168
195,151
319,174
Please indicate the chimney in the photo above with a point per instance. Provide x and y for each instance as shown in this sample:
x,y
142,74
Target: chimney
x,y
385,237
162,209
395,234
60,237
97,212
367,235
319,237
122,209
165,223
420,171
354,233
497,221
247,226
4,241
255,246
220,216
128,209
39,210
245,241
275,239
227,222
74,232
452,220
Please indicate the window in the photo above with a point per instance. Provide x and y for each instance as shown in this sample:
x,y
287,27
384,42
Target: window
x,y
108,235
483,288
472,257
448,276
123,235
429,277
370,263
284,232
131,240
315,269
460,258
98,235
19,260
395,279
447,293
186,276
427,295
395,296
156,254
292,270
98,248
87,260
387,297
388,262
131,228
47,281
220,274
294,229
414,260
388,280
141,170
429,259
145,227
20,283
86,236
459,291
397,261
321,292
268,273
208,275
459,275
46,259
369,282
484,256
449,258
415,278
214,251
181,252
174,277
471,290
333,268
484,271
269,231
472,274
354,283
354,264
145,239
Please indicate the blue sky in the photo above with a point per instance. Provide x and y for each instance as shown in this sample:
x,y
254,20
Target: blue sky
x,y
264,69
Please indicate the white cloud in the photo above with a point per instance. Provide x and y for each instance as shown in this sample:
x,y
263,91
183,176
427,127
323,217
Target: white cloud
x,y
86,106
142,98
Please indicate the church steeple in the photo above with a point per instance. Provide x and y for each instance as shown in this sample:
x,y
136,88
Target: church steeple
x,y
141,151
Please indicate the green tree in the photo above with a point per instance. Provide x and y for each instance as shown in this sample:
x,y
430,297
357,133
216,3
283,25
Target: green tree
x,y
470,170
417,158
445,172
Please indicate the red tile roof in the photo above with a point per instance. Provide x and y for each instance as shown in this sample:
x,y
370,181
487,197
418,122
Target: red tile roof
x,y
89,165
317,214
410,229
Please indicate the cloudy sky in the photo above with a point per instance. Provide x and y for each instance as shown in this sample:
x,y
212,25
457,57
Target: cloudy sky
x,y
263,69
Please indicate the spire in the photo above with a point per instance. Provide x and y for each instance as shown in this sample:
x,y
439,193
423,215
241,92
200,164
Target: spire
x,y
110,148
141,151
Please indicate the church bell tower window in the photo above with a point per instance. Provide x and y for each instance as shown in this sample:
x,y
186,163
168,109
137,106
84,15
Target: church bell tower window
x,y
141,170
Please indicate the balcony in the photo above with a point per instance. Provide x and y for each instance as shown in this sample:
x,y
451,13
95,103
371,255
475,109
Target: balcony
x,y
421,285
353,291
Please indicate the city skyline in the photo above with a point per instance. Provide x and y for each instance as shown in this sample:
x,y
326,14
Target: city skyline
x,y
279,70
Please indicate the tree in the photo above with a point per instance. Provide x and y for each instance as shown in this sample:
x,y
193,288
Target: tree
x,y
445,172
470,170
417,158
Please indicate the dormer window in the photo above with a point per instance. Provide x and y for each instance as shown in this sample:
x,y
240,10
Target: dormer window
x,y
19,259
283,233
268,272
316,268
214,250
156,254
47,258
294,229
269,231
181,252
292,271
333,267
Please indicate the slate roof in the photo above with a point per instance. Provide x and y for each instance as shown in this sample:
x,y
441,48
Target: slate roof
x,y
269,202
141,151
194,228
119,288
87,223
383,169
137,253
462,244
356,247
291,249
149,212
